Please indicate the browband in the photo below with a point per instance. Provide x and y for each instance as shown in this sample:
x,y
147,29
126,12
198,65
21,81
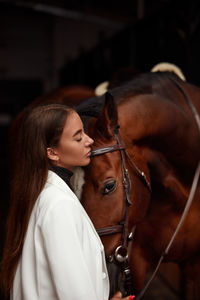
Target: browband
x,y
107,149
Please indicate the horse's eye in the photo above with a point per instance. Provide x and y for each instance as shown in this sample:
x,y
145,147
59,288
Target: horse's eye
x,y
109,187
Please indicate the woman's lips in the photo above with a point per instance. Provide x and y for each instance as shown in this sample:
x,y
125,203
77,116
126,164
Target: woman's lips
x,y
88,154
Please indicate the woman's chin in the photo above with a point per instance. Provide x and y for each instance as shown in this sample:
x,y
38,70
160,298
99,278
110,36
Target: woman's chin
x,y
86,162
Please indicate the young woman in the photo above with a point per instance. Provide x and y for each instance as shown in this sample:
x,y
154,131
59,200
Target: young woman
x,y
52,250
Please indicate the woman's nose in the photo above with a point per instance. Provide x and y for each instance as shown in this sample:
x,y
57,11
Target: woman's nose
x,y
89,141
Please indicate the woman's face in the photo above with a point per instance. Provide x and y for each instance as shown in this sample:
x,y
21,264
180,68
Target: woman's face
x,y
74,147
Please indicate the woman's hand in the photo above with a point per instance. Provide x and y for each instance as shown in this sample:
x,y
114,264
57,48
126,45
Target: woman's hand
x,y
118,296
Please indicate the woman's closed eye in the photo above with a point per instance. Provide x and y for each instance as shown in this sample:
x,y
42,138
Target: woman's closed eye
x,y
79,138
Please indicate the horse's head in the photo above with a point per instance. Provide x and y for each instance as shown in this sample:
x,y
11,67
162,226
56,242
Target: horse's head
x,y
103,196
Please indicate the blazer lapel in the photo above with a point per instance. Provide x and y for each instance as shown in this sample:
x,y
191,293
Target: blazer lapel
x,y
54,179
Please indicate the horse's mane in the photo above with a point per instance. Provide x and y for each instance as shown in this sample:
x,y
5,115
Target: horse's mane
x,y
145,83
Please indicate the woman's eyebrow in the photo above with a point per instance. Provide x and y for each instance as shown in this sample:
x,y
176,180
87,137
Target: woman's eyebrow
x,y
77,132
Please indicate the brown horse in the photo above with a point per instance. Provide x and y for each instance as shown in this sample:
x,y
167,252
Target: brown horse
x,y
161,136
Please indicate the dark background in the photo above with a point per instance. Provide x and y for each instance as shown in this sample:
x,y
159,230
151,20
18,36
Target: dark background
x,y
55,43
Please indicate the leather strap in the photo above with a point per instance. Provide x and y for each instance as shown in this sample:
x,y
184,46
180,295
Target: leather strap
x,y
108,149
110,230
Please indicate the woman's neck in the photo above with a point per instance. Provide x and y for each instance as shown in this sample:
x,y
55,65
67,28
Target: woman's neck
x,y
64,173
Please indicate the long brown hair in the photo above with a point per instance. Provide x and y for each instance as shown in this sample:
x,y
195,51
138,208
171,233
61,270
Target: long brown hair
x,y
36,129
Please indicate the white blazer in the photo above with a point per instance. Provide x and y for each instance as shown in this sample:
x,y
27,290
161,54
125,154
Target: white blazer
x,y
63,257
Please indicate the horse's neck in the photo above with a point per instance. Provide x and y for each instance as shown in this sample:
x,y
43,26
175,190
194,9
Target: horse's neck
x,y
161,125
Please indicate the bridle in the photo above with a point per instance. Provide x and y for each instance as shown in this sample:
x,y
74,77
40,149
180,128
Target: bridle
x,y
121,252
121,227
120,146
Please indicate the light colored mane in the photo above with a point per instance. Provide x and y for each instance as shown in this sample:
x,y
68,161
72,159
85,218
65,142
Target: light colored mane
x,y
165,66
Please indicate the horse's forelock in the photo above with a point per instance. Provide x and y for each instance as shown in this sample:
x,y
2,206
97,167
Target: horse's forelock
x,y
77,181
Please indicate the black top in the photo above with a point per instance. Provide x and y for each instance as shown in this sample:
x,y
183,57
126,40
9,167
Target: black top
x,y
64,173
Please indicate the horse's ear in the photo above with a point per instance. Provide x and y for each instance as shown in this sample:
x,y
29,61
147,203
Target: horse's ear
x,y
108,118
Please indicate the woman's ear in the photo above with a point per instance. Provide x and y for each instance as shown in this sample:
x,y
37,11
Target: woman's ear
x,y
52,154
